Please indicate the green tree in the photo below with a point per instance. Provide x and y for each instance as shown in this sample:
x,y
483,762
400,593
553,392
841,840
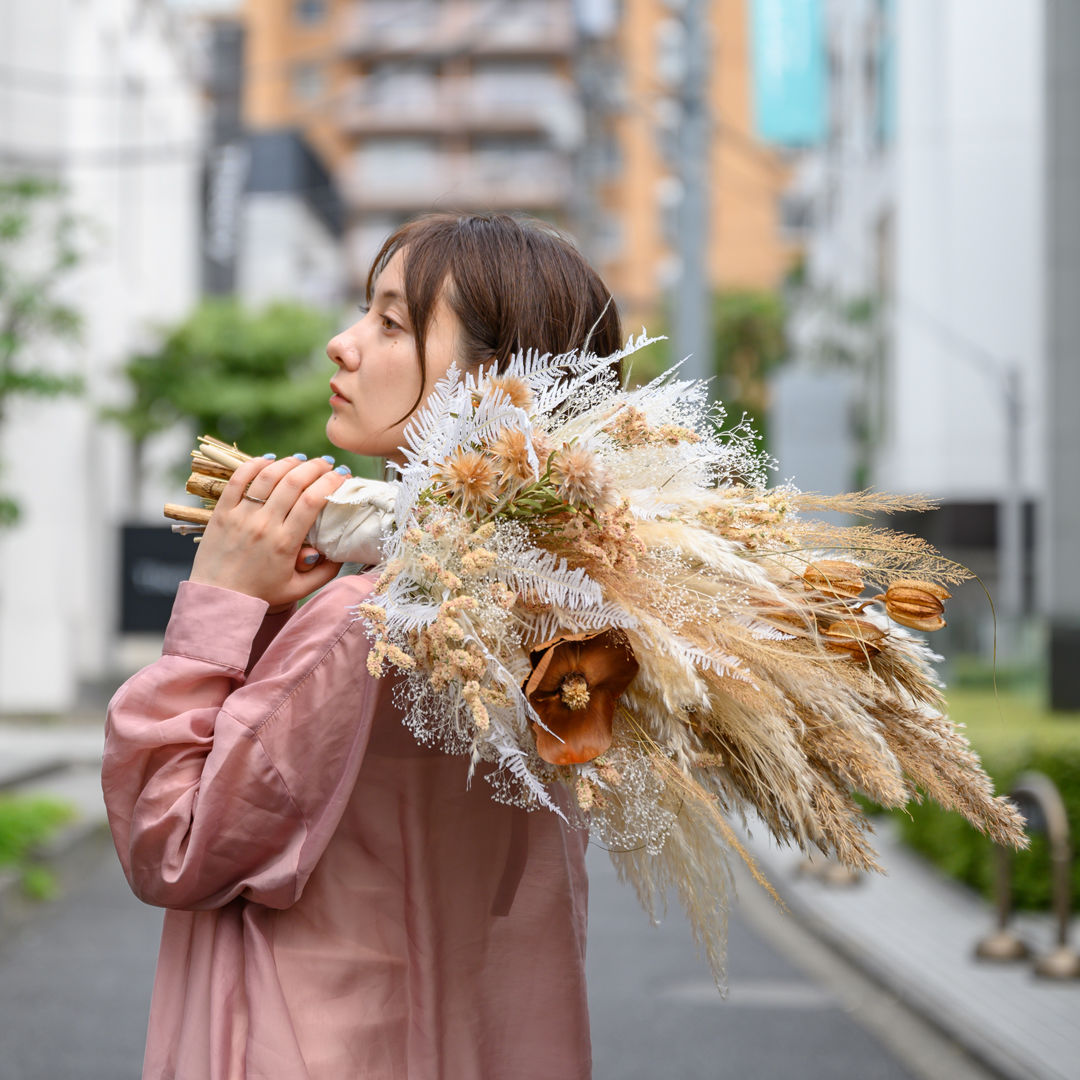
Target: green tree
x,y
39,247
749,343
256,378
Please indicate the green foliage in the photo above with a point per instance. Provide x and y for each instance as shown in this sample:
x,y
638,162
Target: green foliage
x,y
258,379
1012,734
30,312
748,332
38,883
25,824
749,343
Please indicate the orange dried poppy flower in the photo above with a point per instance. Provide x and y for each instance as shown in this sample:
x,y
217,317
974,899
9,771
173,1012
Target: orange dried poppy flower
x,y
575,683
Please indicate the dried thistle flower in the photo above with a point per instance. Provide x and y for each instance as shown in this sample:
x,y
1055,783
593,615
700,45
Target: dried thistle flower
x,y
581,479
511,451
513,386
468,479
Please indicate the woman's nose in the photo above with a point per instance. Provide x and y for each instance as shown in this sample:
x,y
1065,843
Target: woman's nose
x,y
342,349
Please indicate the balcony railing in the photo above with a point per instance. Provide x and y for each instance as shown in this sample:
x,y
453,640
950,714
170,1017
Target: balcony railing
x,y
469,27
455,104
534,183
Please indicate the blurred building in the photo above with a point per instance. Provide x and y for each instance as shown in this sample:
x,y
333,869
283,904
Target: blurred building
x,y
924,274
273,219
749,245
1061,516
98,95
562,108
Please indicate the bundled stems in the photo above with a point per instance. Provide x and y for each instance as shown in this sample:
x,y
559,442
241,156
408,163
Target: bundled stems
x,y
212,464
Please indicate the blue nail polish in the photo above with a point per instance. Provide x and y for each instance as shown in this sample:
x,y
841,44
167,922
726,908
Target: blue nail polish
x,y
270,457
328,459
344,470
299,457
311,559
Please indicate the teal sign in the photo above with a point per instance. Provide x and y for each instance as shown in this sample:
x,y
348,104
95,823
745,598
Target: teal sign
x,y
790,82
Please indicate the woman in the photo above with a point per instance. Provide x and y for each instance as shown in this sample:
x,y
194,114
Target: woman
x,y
340,903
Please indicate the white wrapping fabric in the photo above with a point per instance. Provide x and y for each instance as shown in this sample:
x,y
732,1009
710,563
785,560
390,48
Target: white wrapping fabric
x,y
355,521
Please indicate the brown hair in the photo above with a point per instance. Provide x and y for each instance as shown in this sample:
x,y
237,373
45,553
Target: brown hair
x,y
514,283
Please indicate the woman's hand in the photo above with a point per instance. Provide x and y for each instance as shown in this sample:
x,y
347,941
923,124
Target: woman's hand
x,y
255,540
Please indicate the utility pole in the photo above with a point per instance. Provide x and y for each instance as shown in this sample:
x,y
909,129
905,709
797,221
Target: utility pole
x,y
691,335
1011,559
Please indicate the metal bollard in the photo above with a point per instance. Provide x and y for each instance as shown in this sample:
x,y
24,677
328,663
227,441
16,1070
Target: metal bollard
x,y
1040,802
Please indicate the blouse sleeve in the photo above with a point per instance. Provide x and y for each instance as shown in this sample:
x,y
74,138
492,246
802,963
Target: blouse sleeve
x,y
222,781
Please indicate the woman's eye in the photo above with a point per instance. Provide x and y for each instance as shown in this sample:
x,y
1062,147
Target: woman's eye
x,y
388,323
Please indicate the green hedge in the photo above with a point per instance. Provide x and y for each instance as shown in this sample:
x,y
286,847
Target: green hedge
x,y
1012,736
25,823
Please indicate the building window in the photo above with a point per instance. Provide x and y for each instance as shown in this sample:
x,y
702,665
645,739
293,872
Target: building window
x,y
308,82
308,12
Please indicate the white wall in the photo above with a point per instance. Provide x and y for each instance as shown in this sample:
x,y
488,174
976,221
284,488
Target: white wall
x,y
287,253
969,267
946,220
129,158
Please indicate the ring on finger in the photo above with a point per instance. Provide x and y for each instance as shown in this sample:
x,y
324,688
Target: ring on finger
x,y
253,498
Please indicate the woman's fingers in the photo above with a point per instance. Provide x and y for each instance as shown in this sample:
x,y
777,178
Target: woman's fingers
x,y
240,480
315,578
266,481
307,559
307,504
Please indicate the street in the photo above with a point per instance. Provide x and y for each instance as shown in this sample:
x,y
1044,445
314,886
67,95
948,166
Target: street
x,y
75,982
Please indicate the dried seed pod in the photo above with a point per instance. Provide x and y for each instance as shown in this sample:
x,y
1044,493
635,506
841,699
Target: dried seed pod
x,y
834,577
918,605
858,637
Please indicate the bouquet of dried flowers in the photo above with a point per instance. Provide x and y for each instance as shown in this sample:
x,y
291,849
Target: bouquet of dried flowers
x,y
593,585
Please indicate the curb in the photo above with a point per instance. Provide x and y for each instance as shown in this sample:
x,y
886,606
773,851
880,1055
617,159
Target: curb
x,y
976,1044
36,771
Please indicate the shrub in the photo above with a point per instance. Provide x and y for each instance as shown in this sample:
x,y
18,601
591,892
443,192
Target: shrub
x,y
1012,736
26,823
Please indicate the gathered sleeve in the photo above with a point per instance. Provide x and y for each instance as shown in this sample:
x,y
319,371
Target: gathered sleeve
x,y
228,762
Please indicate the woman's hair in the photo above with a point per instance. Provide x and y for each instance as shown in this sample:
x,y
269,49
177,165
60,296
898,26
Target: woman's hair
x,y
514,283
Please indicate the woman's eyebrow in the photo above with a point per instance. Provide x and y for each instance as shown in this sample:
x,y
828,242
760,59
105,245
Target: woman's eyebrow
x,y
388,296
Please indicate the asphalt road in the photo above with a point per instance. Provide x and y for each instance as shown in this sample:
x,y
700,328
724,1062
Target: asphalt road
x,y
75,983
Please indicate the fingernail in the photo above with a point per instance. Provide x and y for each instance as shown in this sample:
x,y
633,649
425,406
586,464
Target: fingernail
x,y
311,559
270,457
328,459
299,457
344,470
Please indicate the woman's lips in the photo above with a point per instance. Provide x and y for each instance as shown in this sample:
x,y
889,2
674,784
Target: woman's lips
x,y
337,396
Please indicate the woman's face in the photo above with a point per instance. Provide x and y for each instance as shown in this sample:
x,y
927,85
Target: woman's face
x,y
378,376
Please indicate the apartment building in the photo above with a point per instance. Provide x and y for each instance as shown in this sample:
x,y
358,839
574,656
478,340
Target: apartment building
x,y
416,105
561,108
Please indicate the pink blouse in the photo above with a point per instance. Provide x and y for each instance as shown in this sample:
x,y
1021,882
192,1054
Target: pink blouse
x,y
341,904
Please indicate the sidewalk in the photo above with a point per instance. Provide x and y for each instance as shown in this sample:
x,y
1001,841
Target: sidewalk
x,y
912,930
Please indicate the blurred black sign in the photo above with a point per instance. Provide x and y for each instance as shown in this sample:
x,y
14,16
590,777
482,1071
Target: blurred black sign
x,y
155,561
